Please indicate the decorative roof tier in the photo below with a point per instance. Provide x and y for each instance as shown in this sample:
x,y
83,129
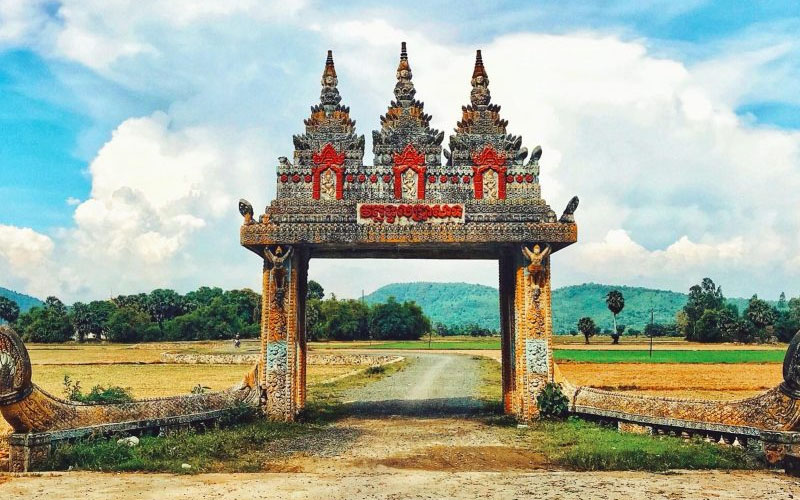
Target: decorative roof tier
x,y
405,122
483,195
329,122
481,137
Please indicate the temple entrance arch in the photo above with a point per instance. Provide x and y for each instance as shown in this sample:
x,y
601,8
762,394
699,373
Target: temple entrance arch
x,y
484,202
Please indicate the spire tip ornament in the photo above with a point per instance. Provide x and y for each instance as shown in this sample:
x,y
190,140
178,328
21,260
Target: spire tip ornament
x,y
329,95
404,89
480,96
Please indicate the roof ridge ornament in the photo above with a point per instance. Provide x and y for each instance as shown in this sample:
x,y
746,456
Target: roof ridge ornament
x,y
404,90
329,95
480,95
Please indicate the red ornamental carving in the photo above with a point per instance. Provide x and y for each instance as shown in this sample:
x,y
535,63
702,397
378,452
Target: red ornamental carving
x,y
326,159
409,159
489,159
373,178
432,179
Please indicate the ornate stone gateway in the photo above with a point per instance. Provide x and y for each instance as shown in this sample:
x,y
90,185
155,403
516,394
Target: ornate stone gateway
x,y
484,202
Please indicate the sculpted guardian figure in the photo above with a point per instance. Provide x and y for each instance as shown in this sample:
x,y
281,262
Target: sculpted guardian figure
x,y
536,258
278,271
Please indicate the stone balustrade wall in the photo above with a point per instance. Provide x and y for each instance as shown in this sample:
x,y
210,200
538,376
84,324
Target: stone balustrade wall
x,y
249,359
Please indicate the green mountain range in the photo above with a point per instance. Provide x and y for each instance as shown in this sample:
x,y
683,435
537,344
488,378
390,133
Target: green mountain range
x,y
24,302
460,303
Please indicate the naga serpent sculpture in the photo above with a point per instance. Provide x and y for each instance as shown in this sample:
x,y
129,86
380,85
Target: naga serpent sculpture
x,y
776,409
29,409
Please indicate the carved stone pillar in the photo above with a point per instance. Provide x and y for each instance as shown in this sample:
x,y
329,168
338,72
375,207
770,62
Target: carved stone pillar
x,y
532,331
283,299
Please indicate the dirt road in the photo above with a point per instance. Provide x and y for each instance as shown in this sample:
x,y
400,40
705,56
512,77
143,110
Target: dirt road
x,y
408,436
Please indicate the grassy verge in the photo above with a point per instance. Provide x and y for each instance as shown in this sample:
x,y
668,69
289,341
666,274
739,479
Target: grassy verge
x,y
580,445
674,356
246,446
490,390
423,345
240,448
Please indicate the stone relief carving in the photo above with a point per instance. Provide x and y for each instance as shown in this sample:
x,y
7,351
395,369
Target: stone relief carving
x,y
536,356
490,186
327,185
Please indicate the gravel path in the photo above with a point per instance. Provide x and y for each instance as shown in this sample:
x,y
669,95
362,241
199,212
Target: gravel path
x,y
431,385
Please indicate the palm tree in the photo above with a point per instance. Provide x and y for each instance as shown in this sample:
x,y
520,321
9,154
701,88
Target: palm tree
x,y
616,303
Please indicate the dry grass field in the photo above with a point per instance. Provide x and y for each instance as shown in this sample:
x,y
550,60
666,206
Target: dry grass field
x,y
680,380
137,367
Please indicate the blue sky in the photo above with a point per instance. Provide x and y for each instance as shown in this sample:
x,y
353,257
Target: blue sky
x,y
98,100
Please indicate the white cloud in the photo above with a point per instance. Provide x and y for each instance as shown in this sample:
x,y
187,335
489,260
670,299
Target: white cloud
x,y
26,259
673,185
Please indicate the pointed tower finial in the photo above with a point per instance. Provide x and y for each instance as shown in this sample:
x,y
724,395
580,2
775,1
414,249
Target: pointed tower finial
x,y
404,89
479,69
329,96
480,95
329,68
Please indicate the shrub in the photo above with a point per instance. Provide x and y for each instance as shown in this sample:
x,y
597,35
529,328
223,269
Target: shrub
x,y
552,403
375,370
98,394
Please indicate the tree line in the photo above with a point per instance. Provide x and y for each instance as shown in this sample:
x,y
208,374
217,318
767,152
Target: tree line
x,y
208,314
349,319
204,314
709,317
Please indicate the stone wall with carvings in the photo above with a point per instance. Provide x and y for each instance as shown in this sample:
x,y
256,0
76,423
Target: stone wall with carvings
x,y
28,408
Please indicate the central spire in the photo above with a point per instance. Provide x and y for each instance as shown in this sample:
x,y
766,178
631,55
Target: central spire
x,y
404,89
329,96
480,95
